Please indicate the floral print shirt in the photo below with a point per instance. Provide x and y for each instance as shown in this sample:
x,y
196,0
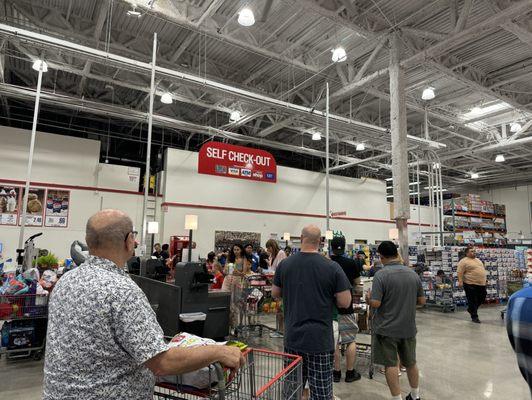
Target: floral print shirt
x,y
101,331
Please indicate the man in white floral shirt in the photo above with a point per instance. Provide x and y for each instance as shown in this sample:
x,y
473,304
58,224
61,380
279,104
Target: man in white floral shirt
x,y
103,340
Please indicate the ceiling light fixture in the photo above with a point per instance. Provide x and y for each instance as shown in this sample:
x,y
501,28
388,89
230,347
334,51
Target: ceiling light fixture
x,y
133,12
338,54
166,98
316,136
436,165
499,158
474,175
40,64
515,127
360,147
234,116
428,94
246,17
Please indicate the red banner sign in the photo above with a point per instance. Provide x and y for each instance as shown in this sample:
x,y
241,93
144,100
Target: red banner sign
x,y
216,158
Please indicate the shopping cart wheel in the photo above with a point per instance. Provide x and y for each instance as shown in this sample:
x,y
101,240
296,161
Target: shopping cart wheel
x,y
36,355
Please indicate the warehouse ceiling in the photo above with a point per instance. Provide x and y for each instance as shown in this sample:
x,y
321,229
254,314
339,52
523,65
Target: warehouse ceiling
x,y
476,55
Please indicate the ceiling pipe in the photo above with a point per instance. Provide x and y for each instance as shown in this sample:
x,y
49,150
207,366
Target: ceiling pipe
x,y
107,57
160,120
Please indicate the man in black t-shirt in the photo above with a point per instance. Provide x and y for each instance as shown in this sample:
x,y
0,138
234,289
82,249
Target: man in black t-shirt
x,y
311,286
347,325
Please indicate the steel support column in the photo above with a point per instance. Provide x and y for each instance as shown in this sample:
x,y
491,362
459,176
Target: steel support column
x,y
399,145
30,157
148,150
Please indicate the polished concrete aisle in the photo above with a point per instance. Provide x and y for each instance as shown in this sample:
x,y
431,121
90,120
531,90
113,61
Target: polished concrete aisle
x,y
458,360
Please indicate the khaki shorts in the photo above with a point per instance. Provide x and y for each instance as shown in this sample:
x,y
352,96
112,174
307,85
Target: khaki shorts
x,y
386,349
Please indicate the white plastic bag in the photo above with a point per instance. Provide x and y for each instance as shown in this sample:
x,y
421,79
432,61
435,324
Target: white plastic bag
x,y
203,378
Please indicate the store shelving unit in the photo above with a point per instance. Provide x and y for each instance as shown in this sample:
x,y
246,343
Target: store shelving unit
x,y
485,225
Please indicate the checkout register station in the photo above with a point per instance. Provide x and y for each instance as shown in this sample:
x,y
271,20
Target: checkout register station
x,y
188,294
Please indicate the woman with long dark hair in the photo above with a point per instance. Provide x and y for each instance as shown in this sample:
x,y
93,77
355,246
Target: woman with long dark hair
x,y
276,254
236,268
241,265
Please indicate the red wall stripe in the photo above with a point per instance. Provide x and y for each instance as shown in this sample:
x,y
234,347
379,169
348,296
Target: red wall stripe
x,y
287,213
201,206
75,187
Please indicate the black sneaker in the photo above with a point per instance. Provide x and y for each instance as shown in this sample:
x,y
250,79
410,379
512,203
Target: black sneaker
x,y
352,375
337,376
409,397
475,320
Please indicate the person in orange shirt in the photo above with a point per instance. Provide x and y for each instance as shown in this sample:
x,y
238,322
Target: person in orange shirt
x,y
472,276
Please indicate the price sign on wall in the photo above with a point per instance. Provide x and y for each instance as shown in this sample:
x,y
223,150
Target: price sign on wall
x,y
56,222
32,220
222,159
9,204
57,208
34,207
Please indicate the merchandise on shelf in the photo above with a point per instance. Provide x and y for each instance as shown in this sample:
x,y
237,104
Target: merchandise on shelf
x,y
502,265
469,213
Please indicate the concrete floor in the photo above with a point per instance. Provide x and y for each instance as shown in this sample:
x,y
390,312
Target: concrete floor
x,y
457,360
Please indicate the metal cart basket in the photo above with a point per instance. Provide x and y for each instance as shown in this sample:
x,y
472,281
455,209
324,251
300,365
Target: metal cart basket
x,y
24,319
265,375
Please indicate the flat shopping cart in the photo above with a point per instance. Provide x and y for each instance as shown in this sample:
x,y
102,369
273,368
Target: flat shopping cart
x,y
266,375
23,325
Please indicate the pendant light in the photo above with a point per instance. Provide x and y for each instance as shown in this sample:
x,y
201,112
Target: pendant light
x,y
338,54
499,158
428,93
246,17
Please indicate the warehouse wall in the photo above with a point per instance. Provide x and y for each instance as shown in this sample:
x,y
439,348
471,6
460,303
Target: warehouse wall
x,y
66,161
297,199
518,201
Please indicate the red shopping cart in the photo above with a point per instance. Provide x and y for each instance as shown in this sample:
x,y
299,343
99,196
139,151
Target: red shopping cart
x,y
24,330
265,375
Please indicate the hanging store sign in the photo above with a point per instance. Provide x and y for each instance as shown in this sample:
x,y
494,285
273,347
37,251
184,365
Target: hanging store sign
x,y
222,159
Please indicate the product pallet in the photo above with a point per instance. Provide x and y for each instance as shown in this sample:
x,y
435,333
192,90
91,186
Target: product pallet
x,y
474,221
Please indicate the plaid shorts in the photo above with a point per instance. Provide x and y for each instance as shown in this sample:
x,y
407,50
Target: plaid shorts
x,y
318,370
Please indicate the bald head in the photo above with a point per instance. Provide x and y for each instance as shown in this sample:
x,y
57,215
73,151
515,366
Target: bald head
x,y
311,236
108,229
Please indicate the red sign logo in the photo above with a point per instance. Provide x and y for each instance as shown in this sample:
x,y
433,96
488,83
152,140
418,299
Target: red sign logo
x,y
216,158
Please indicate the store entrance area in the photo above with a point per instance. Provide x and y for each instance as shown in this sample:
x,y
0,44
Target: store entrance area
x,y
457,360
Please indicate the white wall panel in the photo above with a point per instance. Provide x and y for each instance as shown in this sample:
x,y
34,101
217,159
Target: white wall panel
x,y
518,208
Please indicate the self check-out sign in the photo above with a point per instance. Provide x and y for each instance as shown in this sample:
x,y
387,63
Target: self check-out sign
x,y
222,159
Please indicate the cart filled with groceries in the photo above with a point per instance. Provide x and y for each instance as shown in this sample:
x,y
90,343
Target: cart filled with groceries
x,y
264,375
